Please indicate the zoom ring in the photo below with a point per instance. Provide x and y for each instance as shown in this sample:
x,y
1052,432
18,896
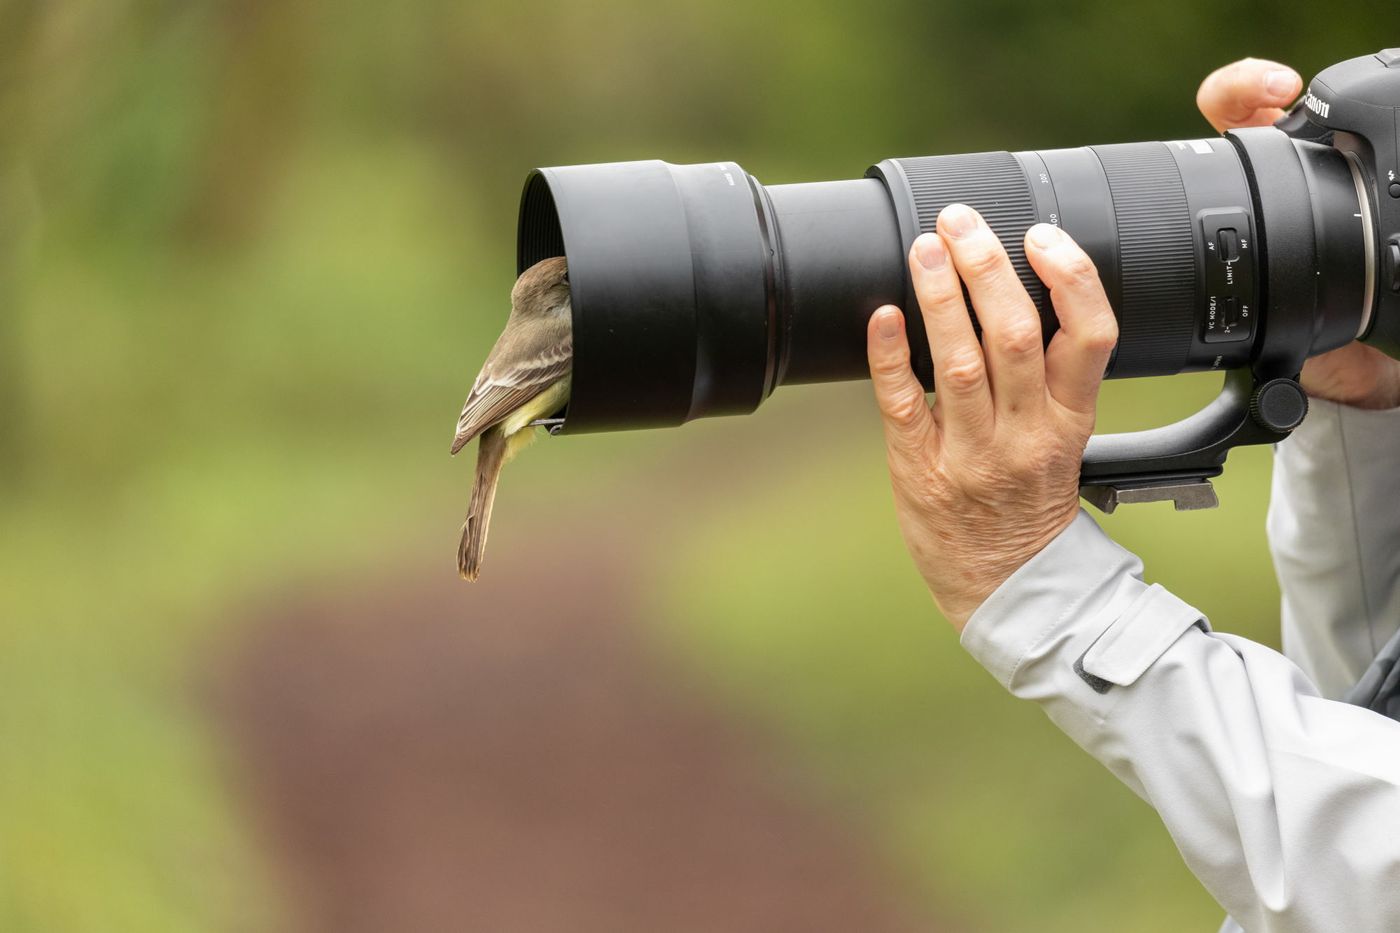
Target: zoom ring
x,y
994,185
1156,319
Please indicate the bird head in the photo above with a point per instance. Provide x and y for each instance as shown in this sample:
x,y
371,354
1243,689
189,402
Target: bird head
x,y
542,289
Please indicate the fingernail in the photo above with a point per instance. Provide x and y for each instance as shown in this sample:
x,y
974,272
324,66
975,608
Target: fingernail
x,y
1281,82
957,220
1046,236
930,251
887,323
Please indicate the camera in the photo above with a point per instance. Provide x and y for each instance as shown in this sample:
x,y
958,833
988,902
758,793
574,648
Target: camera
x,y
697,290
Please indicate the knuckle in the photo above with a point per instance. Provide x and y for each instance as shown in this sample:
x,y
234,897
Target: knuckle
x,y
938,294
962,374
906,409
1020,337
1074,272
982,260
1080,273
1102,336
893,363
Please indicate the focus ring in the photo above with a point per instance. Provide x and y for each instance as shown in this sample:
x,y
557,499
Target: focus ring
x,y
994,185
1156,248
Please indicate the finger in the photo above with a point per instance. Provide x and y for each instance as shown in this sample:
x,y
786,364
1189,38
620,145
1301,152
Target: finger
x,y
962,392
903,407
1011,337
1080,350
1250,92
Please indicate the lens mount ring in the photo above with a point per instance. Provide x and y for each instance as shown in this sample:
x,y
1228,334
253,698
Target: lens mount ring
x,y
1368,236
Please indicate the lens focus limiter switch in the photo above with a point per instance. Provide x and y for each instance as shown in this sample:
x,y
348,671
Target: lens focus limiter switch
x,y
1228,242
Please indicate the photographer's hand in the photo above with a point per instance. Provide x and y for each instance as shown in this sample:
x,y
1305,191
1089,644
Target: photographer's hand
x,y
1252,92
989,475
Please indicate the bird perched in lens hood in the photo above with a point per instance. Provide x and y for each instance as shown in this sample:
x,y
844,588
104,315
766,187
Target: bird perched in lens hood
x,y
525,377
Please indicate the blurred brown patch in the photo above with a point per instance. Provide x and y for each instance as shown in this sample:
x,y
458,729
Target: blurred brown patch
x,y
434,756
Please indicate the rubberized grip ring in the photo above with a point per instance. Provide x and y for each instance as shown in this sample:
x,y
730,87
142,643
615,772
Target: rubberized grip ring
x,y
994,185
1157,266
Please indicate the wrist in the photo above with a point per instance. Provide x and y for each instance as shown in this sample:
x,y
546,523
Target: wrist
x,y
1377,398
1357,376
988,566
1385,394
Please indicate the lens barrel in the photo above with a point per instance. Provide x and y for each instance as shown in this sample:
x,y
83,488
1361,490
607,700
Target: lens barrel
x,y
697,290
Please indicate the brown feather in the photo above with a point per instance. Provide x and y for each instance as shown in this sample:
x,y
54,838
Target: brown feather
x,y
512,376
490,457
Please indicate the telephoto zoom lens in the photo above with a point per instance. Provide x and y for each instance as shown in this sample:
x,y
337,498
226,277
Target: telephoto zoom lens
x,y
697,290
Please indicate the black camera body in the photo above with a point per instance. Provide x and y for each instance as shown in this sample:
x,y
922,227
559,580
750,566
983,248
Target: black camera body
x,y
697,290
1354,107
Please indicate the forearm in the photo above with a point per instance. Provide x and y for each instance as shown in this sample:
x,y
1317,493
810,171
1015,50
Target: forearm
x,y
1334,531
1267,788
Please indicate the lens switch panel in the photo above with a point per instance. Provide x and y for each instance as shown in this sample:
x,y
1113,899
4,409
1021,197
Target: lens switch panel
x,y
1229,276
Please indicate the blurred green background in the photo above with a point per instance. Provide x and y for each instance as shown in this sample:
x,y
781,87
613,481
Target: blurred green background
x,y
251,255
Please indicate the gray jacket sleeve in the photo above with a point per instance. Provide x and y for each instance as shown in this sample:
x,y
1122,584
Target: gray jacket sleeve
x,y
1286,805
1334,529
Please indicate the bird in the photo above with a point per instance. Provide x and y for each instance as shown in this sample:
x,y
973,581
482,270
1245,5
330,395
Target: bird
x,y
526,376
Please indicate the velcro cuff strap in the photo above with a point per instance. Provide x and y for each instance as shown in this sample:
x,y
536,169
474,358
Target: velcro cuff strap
x,y
1137,638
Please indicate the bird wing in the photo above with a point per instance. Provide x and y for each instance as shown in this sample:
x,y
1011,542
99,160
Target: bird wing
x,y
515,372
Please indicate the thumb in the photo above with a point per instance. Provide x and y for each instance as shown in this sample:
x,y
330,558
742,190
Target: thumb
x,y
1250,92
909,426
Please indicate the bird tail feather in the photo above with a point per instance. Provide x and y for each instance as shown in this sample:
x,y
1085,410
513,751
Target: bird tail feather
x,y
490,458
495,450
